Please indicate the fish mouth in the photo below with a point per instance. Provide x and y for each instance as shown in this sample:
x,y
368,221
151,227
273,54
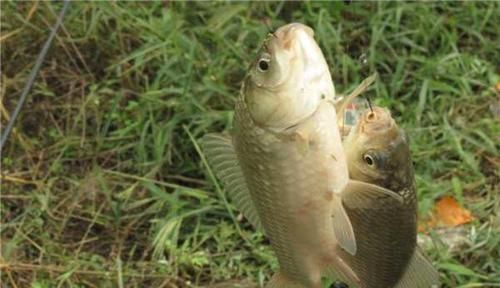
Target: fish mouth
x,y
376,120
298,39
292,32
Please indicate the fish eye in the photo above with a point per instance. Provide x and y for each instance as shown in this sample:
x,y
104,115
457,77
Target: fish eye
x,y
369,160
263,65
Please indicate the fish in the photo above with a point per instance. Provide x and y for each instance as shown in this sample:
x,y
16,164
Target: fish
x,y
378,152
284,167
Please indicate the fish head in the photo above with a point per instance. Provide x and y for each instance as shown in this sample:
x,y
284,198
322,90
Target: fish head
x,y
378,151
288,79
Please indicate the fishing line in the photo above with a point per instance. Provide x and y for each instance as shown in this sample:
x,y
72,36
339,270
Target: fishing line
x,y
268,23
369,103
33,74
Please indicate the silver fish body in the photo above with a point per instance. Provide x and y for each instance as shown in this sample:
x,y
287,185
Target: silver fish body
x,y
290,189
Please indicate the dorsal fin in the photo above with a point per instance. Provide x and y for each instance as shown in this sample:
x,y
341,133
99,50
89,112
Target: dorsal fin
x,y
221,156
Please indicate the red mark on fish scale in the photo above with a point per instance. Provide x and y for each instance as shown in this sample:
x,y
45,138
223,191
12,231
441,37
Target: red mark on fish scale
x,y
328,196
306,207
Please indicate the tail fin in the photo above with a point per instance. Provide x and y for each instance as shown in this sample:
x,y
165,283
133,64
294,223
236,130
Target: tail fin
x,y
281,281
420,273
339,270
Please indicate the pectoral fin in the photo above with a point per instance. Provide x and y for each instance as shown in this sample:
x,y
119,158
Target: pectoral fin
x,y
342,227
420,273
358,194
302,142
221,156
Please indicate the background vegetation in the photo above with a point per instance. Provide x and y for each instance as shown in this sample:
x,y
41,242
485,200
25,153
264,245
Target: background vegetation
x,y
102,183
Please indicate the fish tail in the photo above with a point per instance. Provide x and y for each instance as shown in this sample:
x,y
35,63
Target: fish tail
x,y
342,227
279,280
420,273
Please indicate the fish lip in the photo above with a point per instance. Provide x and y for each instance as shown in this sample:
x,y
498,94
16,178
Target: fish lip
x,y
288,38
377,120
376,113
288,34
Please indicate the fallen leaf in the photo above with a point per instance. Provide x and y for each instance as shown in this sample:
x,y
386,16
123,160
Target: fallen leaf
x,y
497,86
450,213
447,213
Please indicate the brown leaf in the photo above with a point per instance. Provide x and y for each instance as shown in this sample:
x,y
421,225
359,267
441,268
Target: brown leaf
x,y
447,213
450,213
497,87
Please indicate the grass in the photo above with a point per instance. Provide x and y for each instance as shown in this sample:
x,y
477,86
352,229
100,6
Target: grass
x,y
102,184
